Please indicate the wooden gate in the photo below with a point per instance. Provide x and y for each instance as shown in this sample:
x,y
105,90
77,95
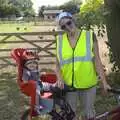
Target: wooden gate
x,y
43,42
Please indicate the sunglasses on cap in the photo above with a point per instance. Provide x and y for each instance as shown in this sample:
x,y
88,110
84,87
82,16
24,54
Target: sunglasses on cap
x,y
63,27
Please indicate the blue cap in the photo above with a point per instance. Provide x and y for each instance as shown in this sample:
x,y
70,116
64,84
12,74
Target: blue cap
x,y
63,14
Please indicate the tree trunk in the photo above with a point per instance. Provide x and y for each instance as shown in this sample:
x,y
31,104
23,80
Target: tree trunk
x,y
113,29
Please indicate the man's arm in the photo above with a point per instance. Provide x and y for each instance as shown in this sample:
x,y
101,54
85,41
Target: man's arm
x,y
60,83
98,64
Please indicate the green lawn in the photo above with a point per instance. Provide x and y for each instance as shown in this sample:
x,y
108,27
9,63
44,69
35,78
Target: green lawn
x,y
17,27
14,28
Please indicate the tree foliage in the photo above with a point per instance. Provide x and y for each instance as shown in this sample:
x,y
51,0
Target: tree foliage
x,y
91,14
8,10
72,6
15,7
41,10
91,5
99,13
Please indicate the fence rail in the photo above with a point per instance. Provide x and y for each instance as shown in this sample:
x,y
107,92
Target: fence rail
x,y
43,42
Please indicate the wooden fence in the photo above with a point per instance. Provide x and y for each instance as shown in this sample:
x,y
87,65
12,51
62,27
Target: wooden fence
x,y
43,42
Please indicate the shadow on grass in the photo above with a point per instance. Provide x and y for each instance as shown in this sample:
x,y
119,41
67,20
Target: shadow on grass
x,y
9,97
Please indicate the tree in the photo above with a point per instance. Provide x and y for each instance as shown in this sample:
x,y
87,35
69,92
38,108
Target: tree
x,y
25,6
113,29
7,9
91,14
16,7
3,2
22,4
71,6
100,13
41,10
29,13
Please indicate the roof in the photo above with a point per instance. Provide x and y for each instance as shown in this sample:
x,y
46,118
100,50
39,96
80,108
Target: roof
x,y
52,11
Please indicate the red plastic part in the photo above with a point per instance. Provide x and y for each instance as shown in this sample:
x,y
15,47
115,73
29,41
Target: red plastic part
x,y
29,88
49,77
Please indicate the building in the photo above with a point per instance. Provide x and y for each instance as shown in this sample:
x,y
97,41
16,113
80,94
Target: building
x,y
51,14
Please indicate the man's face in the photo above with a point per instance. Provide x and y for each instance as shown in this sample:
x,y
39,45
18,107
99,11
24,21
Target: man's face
x,y
67,24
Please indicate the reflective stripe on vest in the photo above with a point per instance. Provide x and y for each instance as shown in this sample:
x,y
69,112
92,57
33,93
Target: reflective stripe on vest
x,y
88,56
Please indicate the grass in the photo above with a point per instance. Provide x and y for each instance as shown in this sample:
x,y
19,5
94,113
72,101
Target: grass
x,y
6,28
12,102
14,28
9,97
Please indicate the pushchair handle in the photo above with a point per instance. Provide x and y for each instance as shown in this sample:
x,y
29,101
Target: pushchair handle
x,y
114,90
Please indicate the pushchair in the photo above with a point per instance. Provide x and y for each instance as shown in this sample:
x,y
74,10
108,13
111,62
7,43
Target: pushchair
x,y
57,95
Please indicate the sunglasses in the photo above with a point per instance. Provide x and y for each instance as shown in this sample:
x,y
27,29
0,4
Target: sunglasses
x,y
63,27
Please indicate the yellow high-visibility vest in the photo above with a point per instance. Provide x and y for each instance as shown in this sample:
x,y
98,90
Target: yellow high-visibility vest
x,y
76,64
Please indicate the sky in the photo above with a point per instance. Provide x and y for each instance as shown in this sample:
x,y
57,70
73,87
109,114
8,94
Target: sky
x,y
38,3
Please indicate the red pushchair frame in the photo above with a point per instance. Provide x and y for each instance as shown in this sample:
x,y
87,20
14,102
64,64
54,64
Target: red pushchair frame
x,y
29,88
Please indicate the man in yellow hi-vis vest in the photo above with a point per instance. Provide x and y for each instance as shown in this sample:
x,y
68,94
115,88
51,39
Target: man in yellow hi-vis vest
x,y
77,63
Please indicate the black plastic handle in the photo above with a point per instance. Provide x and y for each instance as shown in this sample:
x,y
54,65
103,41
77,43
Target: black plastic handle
x,y
114,90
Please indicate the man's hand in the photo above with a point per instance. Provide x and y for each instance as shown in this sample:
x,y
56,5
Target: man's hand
x,y
105,87
60,83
